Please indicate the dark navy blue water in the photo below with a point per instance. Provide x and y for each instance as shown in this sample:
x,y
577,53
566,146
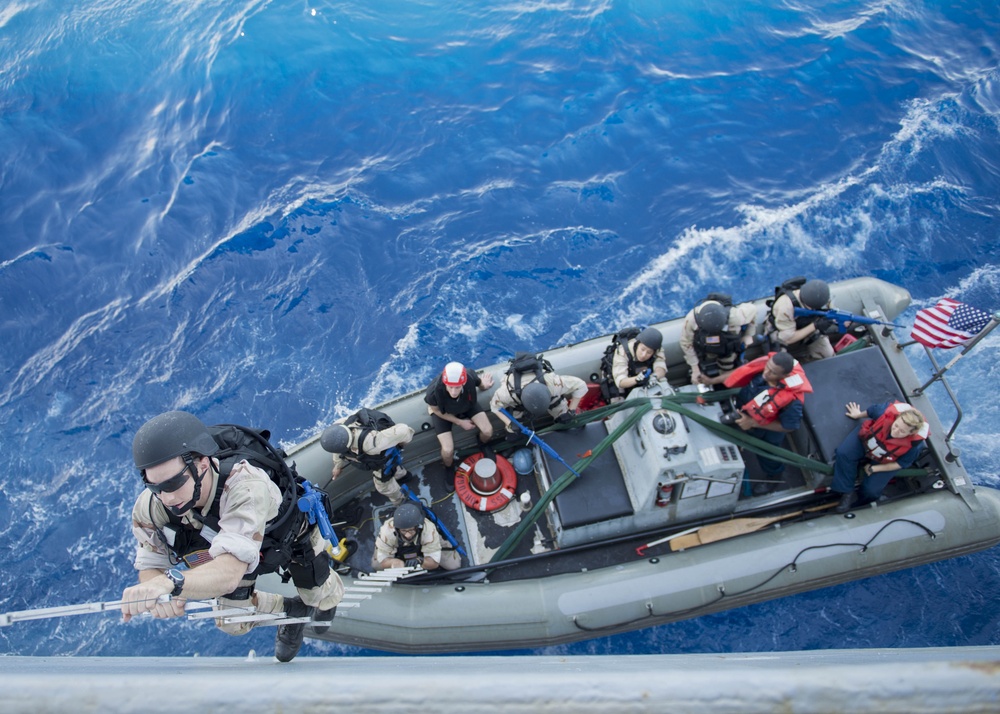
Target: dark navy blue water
x,y
272,212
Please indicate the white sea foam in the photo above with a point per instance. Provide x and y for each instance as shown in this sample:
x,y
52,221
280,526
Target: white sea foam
x,y
34,251
37,367
829,27
980,277
389,382
570,8
695,256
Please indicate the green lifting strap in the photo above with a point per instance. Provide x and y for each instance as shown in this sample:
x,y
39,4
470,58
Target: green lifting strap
x,y
639,407
738,436
741,438
674,403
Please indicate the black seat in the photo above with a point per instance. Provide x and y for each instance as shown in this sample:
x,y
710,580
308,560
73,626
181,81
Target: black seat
x,y
600,493
861,376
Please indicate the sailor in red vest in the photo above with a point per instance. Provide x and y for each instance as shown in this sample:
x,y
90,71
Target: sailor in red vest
x,y
770,402
890,438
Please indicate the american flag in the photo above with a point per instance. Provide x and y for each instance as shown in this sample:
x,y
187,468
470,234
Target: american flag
x,y
199,557
948,324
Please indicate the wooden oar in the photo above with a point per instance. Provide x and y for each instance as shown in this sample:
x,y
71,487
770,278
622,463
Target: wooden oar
x,y
737,526
641,550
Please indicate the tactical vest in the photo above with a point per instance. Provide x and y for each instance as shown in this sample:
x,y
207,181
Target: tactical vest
x,y
528,363
610,390
370,421
724,347
788,288
238,443
409,551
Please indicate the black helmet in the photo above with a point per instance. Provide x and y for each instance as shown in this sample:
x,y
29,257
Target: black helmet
x,y
651,337
814,294
711,317
535,398
407,515
168,435
335,439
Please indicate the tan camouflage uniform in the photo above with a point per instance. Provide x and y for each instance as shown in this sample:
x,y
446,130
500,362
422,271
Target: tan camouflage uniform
x,y
248,501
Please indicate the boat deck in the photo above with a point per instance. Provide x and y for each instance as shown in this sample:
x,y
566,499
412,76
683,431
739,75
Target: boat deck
x,y
482,534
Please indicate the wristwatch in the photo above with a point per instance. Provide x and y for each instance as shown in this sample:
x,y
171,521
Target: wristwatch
x,y
177,578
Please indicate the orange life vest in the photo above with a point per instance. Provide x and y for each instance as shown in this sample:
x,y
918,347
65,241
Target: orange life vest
x,y
767,405
876,434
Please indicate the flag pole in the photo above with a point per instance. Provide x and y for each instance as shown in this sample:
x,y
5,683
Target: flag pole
x,y
994,321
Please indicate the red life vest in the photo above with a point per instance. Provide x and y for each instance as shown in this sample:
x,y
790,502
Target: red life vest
x,y
876,434
767,405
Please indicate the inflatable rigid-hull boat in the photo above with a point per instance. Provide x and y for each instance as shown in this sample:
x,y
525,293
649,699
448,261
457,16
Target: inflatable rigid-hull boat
x,y
657,526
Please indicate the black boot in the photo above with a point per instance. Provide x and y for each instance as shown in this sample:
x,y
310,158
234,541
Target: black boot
x,y
320,617
846,501
288,641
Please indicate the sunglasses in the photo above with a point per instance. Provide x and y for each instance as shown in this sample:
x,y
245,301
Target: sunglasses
x,y
173,483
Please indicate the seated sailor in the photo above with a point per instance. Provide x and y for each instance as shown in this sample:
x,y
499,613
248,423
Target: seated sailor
x,y
805,337
714,334
453,400
372,440
409,539
530,390
773,389
633,359
890,437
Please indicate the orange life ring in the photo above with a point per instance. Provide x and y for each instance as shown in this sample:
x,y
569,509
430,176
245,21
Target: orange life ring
x,y
481,501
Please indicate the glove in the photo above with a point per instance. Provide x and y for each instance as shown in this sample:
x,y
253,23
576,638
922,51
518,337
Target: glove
x,y
564,418
643,380
823,325
412,562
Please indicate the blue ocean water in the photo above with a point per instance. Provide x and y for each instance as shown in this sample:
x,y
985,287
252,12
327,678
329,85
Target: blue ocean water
x,y
273,212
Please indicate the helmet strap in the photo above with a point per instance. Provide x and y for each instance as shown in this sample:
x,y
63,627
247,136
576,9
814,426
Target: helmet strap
x,y
196,496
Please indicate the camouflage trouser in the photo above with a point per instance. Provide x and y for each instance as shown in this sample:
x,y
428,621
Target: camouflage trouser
x,y
807,351
330,592
390,489
324,596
